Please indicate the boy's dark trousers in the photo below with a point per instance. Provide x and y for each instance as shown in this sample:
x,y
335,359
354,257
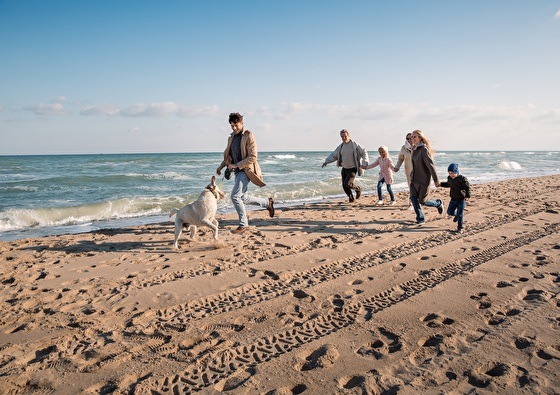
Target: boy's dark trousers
x,y
456,208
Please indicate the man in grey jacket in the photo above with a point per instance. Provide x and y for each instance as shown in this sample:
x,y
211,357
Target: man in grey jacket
x,y
351,156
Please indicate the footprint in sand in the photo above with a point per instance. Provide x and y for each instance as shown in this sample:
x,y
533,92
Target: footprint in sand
x,y
239,378
271,274
496,319
426,257
349,383
431,341
493,371
324,357
384,343
522,343
424,355
548,353
337,302
483,300
503,284
303,296
298,389
534,295
434,320
399,267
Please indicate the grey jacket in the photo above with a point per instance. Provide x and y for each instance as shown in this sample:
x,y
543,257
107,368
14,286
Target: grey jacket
x,y
361,157
423,168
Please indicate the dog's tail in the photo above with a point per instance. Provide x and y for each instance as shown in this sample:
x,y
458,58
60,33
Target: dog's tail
x,y
173,212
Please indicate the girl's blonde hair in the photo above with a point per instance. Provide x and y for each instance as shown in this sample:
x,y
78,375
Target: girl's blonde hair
x,y
384,148
426,142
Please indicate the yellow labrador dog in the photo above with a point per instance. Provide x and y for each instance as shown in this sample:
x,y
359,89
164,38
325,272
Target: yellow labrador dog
x,y
201,212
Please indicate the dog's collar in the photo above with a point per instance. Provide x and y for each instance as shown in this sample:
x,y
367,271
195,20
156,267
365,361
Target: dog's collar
x,y
213,190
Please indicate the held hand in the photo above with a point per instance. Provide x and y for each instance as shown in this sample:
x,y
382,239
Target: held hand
x,y
231,166
396,170
437,184
218,171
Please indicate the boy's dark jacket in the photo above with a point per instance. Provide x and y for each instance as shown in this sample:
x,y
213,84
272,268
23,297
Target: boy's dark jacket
x,y
460,187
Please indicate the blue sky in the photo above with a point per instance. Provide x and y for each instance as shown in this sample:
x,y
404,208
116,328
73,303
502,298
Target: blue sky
x,y
97,76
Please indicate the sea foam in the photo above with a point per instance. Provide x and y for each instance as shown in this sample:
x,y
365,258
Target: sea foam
x,y
509,165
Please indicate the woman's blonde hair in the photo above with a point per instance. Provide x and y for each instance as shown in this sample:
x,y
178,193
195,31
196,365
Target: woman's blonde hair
x,y
426,142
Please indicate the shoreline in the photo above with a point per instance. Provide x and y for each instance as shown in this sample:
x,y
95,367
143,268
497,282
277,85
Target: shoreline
x,y
326,297
100,225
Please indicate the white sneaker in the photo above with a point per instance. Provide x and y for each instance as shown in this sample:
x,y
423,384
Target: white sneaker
x,y
410,207
392,203
380,202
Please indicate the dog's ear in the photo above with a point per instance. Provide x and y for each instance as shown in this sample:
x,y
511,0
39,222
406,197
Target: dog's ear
x,y
213,180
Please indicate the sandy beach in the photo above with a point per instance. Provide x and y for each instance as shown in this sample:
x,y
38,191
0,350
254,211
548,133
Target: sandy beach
x,y
324,298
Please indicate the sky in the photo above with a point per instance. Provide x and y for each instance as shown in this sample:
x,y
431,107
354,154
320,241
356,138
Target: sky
x,y
134,76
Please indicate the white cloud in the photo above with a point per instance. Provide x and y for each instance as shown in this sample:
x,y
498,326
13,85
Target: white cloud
x,y
151,110
199,111
418,113
164,109
100,109
46,109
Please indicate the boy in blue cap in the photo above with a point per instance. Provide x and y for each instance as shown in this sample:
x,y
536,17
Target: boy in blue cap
x,y
460,192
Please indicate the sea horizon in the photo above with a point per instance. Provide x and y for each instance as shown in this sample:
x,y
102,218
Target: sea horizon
x,y
261,152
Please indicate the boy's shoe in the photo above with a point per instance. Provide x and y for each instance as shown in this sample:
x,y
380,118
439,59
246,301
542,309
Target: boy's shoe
x,y
380,202
358,193
440,207
238,230
420,223
460,230
392,203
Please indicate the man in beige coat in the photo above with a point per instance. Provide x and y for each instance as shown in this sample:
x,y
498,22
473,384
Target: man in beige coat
x,y
240,156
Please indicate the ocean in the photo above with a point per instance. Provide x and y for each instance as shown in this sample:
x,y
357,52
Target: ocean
x,y
60,194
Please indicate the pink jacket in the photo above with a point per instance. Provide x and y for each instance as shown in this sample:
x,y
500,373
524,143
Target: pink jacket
x,y
386,168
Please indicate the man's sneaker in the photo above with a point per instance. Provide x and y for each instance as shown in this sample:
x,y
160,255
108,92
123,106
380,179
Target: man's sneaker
x,y
455,219
440,207
238,230
358,193
380,202
392,203
270,207
420,223
460,230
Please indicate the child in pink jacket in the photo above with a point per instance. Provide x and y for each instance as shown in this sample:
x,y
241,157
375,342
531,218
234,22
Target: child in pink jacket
x,y
386,169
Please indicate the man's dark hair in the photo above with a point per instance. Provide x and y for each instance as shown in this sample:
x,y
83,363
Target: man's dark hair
x,y
235,117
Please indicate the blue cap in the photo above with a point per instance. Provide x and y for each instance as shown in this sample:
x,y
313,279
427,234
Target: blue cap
x,y
454,167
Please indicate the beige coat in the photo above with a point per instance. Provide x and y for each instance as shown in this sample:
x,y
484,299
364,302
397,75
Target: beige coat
x,y
405,156
249,154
